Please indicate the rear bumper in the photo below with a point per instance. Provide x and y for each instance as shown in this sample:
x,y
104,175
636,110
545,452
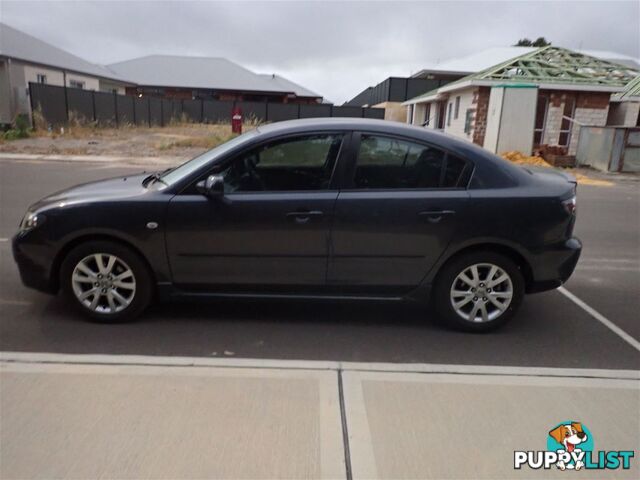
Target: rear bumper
x,y
554,266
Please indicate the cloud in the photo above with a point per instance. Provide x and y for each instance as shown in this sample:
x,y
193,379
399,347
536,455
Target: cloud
x,y
334,48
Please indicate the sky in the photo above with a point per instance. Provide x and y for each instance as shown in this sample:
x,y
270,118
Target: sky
x,y
336,49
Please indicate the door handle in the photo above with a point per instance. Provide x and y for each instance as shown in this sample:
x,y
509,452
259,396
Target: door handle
x,y
303,217
434,216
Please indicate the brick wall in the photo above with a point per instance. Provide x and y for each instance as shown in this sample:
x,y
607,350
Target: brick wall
x,y
591,108
481,102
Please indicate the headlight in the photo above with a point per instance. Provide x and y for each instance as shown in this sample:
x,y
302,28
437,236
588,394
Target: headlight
x,y
30,221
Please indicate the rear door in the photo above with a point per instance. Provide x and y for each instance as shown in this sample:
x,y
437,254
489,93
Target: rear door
x,y
398,211
270,230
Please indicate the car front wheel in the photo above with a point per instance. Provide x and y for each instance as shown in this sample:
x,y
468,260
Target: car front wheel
x,y
479,291
107,281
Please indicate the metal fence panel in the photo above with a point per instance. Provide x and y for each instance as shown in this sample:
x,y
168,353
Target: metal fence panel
x,y
124,104
105,108
141,107
192,110
346,112
155,111
217,111
80,104
374,113
315,111
253,111
278,112
50,101
171,111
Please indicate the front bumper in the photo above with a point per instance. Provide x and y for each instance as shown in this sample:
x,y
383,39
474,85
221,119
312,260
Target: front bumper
x,y
34,264
553,267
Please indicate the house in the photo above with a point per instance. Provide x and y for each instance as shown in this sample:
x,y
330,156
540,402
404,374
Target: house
x,y
541,97
186,77
392,92
25,59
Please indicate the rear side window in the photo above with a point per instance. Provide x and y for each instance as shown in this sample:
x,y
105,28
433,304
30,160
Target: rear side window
x,y
456,173
389,163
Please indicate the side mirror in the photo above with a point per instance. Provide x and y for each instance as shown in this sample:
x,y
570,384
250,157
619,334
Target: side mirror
x,y
212,187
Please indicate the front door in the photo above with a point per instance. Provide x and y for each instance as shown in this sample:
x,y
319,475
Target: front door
x,y
269,231
401,211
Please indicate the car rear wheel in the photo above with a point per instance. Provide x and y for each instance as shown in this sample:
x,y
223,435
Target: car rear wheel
x,y
107,281
479,291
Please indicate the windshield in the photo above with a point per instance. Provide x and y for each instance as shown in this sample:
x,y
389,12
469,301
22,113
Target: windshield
x,y
194,164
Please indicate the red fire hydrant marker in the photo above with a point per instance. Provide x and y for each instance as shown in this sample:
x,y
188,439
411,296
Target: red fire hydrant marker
x,y
236,120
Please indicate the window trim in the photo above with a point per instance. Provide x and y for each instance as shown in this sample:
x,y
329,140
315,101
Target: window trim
x,y
456,110
347,181
334,182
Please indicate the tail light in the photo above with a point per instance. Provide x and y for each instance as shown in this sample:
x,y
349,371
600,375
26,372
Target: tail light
x,y
570,205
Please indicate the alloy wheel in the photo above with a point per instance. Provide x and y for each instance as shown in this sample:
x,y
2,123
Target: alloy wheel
x,y
481,292
103,283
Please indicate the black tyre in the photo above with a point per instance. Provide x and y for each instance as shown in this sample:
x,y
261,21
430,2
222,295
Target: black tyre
x,y
106,281
478,291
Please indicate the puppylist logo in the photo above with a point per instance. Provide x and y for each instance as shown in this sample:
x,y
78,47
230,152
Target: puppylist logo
x,y
570,447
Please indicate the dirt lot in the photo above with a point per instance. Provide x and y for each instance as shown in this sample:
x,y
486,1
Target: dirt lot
x,y
180,140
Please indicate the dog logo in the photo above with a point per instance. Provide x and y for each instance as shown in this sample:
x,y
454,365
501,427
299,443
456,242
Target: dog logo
x,y
570,446
570,437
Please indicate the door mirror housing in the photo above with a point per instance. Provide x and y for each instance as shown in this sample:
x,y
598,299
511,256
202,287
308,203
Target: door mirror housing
x,y
212,187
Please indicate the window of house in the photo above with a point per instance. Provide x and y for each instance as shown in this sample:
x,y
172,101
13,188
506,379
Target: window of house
x,y
541,120
295,164
468,120
449,114
457,110
427,114
565,126
41,78
390,163
76,83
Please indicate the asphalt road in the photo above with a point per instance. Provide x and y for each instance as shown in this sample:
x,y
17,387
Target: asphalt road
x,y
550,330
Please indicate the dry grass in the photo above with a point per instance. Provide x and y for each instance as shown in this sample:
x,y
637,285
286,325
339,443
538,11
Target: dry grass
x,y
178,139
521,159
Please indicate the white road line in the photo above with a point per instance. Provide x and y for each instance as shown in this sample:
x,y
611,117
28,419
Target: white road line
x,y
608,268
4,239
601,318
609,260
23,303
425,368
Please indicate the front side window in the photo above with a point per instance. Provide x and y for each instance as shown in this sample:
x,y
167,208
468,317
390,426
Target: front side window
x,y
42,78
295,164
389,163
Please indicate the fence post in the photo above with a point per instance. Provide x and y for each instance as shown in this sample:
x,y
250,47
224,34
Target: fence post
x,y
93,105
66,102
298,111
115,108
33,119
149,111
